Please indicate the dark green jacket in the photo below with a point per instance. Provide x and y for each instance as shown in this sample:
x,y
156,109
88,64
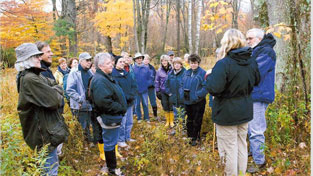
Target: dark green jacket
x,y
39,99
231,83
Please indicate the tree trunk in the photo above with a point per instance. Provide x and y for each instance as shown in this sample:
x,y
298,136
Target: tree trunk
x,y
298,45
139,24
197,37
54,10
184,27
108,44
69,13
178,26
236,7
278,13
189,26
142,37
146,21
135,26
168,10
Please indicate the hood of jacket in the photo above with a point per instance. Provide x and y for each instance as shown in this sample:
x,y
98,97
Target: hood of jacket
x,y
268,40
241,55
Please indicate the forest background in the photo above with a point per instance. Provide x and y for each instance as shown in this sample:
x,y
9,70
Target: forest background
x,y
155,27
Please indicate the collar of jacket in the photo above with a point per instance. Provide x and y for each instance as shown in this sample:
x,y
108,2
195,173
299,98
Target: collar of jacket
x,y
108,76
117,73
44,65
192,72
80,68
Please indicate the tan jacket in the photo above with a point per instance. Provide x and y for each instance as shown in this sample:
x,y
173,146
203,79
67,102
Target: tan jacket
x,y
58,77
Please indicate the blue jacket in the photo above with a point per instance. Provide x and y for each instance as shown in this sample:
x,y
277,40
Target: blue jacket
x,y
172,86
142,75
231,83
191,83
127,83
76,90
266,59
160,79
152,76
108,98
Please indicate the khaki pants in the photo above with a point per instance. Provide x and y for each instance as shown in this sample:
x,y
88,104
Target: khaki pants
x,y
232,147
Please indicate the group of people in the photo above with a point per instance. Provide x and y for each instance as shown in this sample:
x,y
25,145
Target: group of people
x,y
106,90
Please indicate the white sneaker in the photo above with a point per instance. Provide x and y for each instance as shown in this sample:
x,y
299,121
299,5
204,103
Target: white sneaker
x,y
139,121
131,140
122,144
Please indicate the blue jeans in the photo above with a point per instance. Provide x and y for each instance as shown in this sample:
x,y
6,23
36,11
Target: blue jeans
x,y
152,98
126,125
142,98
52,164
256,129
110,137
84,120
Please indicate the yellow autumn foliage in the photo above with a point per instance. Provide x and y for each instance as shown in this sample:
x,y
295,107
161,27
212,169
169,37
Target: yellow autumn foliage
x,y
116,20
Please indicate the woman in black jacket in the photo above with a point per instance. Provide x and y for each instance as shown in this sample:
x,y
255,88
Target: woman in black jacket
x,y
110,104
231,83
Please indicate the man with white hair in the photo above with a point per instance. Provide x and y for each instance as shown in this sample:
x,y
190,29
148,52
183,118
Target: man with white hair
x,y
77,84
110,104
262,94
38,103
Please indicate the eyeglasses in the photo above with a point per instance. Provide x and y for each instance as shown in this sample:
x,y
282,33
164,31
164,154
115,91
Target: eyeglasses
x,y
88,60
37,56
250,38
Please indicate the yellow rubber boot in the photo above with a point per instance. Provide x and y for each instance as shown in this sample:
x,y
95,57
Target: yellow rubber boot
x,y
171,117
167,117
117,154
101,150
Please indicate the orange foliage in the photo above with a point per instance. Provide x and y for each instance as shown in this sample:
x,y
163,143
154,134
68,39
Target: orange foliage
x,y
25,21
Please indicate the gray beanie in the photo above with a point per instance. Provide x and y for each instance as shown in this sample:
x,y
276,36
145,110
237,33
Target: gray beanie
x,y
25,51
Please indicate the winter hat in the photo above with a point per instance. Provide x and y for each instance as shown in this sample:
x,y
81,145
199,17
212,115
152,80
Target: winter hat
x,y
117,58
25,51
84,56
170,53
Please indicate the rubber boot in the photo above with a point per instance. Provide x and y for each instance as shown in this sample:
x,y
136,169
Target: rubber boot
x,y
155,114
101,150
117,153
110,160
155,111
171,117
167,117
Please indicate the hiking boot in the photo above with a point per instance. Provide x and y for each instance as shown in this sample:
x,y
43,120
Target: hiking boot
x,y
115,172
256,168
132,140
122,144
193,142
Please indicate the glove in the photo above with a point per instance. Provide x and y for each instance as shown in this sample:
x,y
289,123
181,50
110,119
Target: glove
x,y
159,95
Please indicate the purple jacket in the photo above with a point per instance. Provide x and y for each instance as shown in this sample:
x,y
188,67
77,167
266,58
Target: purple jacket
x,y
160,78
